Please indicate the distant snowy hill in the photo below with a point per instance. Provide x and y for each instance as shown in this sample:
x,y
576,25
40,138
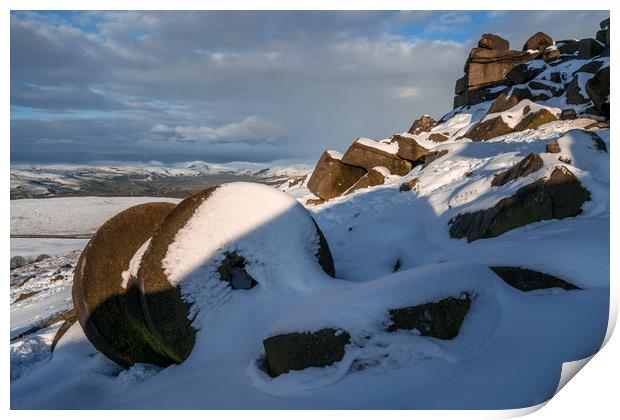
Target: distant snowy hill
x,y
179,180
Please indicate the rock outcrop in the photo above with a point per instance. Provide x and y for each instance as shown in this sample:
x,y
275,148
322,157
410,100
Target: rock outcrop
x,y
423,124
376,176
535,119
540,41
493,42
559,196
331,177
409,148
530,164
488,129
366,153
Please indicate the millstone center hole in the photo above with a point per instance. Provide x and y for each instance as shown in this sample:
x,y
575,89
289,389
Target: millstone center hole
x,y
233,271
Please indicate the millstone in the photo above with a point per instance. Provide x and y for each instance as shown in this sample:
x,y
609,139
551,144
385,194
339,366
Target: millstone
x,y
163,310
527,280
298,351
98,294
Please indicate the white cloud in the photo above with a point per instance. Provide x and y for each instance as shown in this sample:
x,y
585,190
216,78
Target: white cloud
x,y
250,128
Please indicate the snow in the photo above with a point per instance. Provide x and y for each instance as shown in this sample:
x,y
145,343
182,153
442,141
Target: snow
x,y
32,247
334,154
391,148
70,215
134,264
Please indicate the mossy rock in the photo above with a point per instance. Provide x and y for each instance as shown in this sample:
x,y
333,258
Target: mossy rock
x,y
559,196
98,295
442,319
527,280
298,351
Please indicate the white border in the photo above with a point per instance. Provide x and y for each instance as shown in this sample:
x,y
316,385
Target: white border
x,y
593,394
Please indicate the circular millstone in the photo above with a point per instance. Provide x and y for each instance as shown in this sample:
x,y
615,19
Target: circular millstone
x,y
98,292
222,234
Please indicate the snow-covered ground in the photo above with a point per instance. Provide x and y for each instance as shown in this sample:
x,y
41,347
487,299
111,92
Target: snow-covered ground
x,y
70,215
390,248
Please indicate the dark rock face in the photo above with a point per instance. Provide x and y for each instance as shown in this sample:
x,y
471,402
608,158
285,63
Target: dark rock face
x,y
530,164
409,185
432,156
503,103
568,114
560,196
589,48
527,280
552,88
604,24
232,270
551,55
590,67
331,178
368,157
573,93
488,129
442,319
534,120
597,89
438,137
568,46
539,41
298,351
552,147
424,124
476,96
372,178
523,73
408,148
493,42
98,295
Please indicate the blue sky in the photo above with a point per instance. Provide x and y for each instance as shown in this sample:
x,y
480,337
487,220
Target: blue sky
x,y
225,86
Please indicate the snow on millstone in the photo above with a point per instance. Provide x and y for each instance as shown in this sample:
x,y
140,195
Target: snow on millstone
x,y
99,285
217,243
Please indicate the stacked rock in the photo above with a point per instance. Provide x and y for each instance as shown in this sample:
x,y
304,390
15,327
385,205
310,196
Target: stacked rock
x,y
138,281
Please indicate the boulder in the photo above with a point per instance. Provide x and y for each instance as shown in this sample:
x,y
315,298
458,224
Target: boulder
x,y
528,165
597,89
438,137
376,176
223,257
590,67
550,55
493,42
331,177
408,148
552,147
367,154
588,48
604,24
298,351
314,201
488,129
555,77
490,67
476,96
539,41
560,195
552,88
573,92
568,114
533,120
602,36
409,185
568,46
432,156
527,280
524,72
423,124
99,286
503,103
441,319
